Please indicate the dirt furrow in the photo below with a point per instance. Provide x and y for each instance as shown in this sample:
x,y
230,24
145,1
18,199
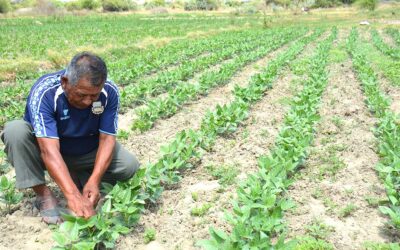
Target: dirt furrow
x,y
337,191
212,182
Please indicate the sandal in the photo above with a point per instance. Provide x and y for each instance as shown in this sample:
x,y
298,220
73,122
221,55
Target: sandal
x,y
49,215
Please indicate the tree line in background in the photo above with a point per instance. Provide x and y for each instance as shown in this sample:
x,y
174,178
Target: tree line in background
x,y
242,6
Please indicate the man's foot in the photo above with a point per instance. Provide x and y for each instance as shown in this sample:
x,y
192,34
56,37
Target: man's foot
x,y
49,209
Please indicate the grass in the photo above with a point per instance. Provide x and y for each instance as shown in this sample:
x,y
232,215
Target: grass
x,y
319,230
381,246
122,134
310,243
149,235
347,210
225,174
331,165
200,211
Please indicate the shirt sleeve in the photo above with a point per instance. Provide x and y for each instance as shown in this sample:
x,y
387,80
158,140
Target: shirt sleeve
x,y
41,107
109,118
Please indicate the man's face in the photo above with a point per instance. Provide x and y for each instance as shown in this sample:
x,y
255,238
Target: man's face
x,y
81,95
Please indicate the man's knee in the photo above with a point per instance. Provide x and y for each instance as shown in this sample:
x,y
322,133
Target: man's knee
x,y
16,132
124,166
131,165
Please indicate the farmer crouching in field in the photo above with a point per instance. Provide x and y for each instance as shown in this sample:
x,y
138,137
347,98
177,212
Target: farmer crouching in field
x,y
69,129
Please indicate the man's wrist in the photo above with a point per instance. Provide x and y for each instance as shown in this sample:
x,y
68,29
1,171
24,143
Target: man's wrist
x,y
94,180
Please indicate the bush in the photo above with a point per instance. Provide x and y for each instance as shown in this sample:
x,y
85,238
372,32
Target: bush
x,y
5,6
73,5
177,4
367,4
201,5
233,3
90,4
207,4
25,4
118,5
324,4
154,4
190,5
247,9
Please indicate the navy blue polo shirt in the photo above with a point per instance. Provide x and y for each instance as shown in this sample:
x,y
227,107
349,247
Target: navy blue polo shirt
x,y
51,116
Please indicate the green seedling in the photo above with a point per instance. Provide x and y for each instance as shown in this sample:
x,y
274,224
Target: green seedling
x,y
149,235
375,201
123,134
195,196
317,193
8,194
319,230
381,246
226,175
330,204
310,243
200,211
347,210
338,122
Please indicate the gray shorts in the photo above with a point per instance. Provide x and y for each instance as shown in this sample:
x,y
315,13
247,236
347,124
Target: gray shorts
x,y
23,153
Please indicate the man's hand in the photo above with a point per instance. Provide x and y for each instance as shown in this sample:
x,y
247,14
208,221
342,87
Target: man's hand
x,y
80,205
91,192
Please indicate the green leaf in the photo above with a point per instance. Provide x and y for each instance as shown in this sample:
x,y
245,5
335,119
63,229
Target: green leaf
x,y
218,235
60,239
84,245
107,206
207,244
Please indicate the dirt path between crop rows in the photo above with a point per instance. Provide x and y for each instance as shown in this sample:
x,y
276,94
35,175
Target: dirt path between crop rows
x,y
237,153
339,176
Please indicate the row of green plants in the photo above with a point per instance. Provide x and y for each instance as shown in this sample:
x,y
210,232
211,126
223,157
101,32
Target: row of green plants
x,y
126,200
138,93
126,69
257,216
164,107
387,130
383,47
395,34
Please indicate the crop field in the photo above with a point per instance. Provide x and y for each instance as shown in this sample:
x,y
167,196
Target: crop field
x,y
253,132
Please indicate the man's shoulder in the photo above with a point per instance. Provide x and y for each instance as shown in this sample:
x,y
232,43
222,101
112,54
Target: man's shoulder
x,y
110,89
110,85
47,81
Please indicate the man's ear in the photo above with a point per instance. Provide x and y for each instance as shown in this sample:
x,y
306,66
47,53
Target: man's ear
x,y
64,81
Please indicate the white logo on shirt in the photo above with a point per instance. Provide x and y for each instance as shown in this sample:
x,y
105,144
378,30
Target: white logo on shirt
x,y
66,116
